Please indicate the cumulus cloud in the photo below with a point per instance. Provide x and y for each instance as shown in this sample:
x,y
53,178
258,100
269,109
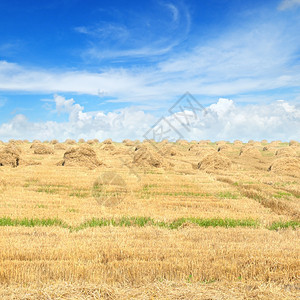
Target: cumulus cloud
x,y
278,120
221,120
70,107
127,122
223,107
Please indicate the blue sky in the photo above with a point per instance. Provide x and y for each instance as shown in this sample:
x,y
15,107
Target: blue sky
x,y
112,57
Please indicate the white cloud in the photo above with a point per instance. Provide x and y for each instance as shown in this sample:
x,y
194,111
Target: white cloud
x,y
75,111
174,11
126,122
105,31
63,105
256,58
223,120
142,37
141,52
3,101
288,4
117,83
222,107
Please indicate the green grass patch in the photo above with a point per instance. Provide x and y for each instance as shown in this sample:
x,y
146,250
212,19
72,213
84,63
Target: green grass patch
x,y
148,187
47,189
41,206
227,223
80,194
51,188
73,210
32,222
227,195
122,222
244,182
146,221
31,181
175,194
283,225
280,195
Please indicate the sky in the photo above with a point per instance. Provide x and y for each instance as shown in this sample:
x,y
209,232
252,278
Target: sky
x,y
190,69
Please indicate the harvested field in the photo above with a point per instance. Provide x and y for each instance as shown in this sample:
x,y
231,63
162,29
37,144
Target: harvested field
x,y
42,149
54,142
107,141
60,146
286,165
286,152
108,147
70,142
250,151
293,143
82,156
214,162
10,155
146,156
152,221
202,152
224,148
169,150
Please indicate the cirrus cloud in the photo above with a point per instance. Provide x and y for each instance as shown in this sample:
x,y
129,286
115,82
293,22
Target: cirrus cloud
x,y
288,4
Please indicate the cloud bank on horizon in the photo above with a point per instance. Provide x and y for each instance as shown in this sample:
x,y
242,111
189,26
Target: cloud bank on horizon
x,y
223,120
135,60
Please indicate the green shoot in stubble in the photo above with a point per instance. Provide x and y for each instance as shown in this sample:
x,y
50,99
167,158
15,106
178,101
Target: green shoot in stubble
x,y
146,221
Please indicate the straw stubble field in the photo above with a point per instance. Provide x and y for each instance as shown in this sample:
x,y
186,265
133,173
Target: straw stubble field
x,y
195,220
